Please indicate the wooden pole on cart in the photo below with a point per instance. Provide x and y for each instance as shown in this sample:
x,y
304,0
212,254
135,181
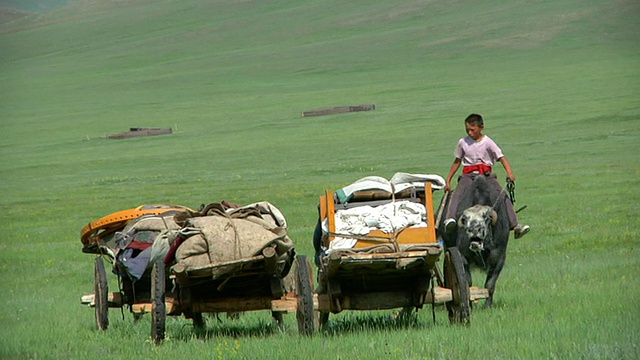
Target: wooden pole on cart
x,y
443,204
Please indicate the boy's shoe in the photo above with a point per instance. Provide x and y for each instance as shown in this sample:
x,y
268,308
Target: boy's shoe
x,y
520,231
449,225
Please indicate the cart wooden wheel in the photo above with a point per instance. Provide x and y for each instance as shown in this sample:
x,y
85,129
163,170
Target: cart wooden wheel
x,y
455,279
101,295
304,295
158,312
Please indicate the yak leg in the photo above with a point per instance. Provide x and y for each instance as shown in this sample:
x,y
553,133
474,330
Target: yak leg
x,y
495,264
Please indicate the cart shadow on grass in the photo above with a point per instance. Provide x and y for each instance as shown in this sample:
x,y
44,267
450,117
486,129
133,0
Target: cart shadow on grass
x,y
223,327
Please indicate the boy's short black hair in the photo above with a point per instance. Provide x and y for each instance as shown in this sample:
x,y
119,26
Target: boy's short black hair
x,y
474,119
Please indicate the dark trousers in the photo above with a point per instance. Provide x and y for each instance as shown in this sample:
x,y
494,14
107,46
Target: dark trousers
x,y
464,181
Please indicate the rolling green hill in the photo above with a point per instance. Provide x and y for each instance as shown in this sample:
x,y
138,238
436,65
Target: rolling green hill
x,y
217,71
557,81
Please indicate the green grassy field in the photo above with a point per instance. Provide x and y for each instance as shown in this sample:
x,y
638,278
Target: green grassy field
x,y
558,84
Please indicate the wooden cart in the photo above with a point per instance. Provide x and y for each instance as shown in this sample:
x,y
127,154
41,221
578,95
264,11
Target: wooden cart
x,y
390,270
267,280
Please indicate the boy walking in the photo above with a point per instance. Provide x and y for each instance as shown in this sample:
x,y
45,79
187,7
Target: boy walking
x,y
478,153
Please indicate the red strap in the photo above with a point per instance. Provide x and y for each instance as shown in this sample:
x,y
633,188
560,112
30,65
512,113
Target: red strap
x,y
481,168
171,255
138,245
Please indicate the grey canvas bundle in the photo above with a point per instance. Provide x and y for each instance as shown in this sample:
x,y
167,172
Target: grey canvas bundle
x,y
227,236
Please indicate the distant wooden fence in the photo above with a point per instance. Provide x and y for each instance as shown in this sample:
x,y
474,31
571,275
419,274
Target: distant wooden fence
x,y
135,132
339,110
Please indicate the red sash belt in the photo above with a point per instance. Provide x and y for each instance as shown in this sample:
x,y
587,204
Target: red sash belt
x,y
481,168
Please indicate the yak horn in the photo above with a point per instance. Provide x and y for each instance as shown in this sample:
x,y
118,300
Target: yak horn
x,y
494,217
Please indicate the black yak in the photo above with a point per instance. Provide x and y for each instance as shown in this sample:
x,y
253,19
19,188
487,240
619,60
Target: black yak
x,y
482,233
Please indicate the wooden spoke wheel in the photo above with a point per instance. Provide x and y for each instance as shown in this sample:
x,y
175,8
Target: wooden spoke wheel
x,y
455,279
101,295
158,311
304,294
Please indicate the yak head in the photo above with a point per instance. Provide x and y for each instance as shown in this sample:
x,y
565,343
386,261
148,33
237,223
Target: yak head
x,y
477,222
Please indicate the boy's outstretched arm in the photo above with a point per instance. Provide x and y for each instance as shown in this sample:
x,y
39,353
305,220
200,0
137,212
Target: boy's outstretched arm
x,y
454,168
507,167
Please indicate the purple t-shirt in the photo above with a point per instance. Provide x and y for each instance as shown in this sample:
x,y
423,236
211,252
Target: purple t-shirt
x,y
472,152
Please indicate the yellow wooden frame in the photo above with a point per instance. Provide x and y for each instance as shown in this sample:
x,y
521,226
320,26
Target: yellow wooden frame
x,y
411,235
117,220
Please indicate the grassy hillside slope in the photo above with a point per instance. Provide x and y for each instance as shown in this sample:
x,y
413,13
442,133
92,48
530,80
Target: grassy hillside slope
x,y
558,83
